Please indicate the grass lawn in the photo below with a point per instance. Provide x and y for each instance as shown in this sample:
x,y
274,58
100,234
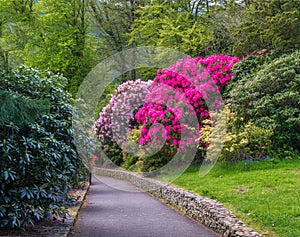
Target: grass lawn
x,y
265,195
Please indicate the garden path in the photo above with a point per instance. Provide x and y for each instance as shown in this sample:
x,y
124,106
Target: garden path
x,y
110,211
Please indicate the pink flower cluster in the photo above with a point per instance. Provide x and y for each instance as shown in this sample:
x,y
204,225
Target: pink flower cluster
x,y
180,94
218,66
117,117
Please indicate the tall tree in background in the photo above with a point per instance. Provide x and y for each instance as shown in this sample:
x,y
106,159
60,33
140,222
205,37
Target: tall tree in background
x,y
15,17
268,24
223,19
177,25
60,40
112,22
70,36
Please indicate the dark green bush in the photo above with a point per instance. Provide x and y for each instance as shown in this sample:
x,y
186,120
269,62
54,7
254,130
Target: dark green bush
x,y
20,109
114,152
251,64
270,97
38,160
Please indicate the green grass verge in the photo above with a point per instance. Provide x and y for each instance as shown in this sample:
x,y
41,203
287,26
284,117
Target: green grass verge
x,y
265,195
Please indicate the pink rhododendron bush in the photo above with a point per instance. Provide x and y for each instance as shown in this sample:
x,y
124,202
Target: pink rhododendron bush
x,y
169,111
117,117
184,89
180,98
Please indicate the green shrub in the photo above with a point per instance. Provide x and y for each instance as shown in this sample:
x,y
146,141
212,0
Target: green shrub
x,y
129,161
246,67
38,161
270,97
138,158
114,152
251,64
151,164
135,158
20,109
131,149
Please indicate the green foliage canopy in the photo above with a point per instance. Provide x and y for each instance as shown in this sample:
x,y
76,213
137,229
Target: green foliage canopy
x,y
19,109
268,25
163,24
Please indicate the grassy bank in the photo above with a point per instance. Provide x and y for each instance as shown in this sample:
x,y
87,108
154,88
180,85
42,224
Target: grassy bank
x,y
265,195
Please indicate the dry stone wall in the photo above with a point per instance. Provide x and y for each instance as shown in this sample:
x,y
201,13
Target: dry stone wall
x,y
205,210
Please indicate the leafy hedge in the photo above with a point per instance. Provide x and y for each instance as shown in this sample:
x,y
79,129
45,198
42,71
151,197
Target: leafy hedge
x,y
38,159
269,96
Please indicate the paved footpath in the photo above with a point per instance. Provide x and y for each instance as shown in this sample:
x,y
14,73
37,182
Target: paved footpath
x,y
113,212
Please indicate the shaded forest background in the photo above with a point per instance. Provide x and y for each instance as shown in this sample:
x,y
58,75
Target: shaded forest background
x,y
71,36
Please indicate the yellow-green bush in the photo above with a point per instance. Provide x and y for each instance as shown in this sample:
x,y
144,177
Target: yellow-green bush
x,y
246,141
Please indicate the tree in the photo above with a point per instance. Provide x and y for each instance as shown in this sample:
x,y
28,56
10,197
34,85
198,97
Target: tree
x,y
47,34
60,40
268,25
171,25
14,25
223,19
112,22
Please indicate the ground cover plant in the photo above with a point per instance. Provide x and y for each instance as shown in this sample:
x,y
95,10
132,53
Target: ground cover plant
x,y
264,194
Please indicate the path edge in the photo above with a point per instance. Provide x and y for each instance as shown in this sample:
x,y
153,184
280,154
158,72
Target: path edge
x,y
74,211
202,209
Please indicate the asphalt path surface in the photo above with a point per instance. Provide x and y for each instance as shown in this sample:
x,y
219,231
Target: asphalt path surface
x,y
115,208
